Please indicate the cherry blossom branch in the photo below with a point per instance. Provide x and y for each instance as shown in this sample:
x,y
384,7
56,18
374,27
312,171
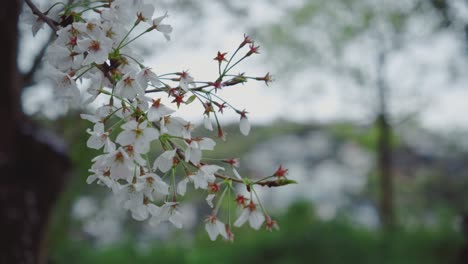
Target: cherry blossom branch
x,y
156,90
277,183
52,23
105,71
80,47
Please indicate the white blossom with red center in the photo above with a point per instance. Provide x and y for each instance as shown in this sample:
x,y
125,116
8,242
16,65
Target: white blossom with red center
x,y
251,214
149,155
97,48
140,135
214,227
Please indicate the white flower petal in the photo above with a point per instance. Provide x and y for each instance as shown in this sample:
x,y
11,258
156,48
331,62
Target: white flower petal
x,y
212,230
236,173
140,213
91,118
207,144
176,219
91,179
125,137
195,155
210,169
130,125
141,145
182,186
150,134
95,142
165,161
209,199
207,123
109,146
244,126
161,187
256,219
221,229
242,218
199,181
153,209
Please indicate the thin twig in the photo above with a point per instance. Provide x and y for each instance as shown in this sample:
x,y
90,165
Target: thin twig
x,y
28,77
224,177
104,71
52,23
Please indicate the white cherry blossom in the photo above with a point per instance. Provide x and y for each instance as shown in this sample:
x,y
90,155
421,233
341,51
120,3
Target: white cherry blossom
x,y
98,82
114,32
164,161
186,81
204,175
153,182
167,212
163,28
62,58
134,155
65,87
91,28
101,172
146,76
251,214
137,134
193,152
105,111
97,47
214,227
94,52
36,22
144,12
100,138
158,110
128,86
141,212
121,165
120,11
176,126
131,198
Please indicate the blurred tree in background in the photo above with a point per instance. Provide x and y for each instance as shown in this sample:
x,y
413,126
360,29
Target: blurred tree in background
x,y
363,44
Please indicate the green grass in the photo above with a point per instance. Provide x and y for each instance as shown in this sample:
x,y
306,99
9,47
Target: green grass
x,y
302,239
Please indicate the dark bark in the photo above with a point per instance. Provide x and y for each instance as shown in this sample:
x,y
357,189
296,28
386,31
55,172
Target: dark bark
x,y
387,214
32,164
463,254
442,7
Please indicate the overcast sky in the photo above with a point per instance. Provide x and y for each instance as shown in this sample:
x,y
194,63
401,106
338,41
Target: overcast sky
x,y
194,45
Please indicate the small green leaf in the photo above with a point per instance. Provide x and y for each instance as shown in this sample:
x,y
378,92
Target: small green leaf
x,y
287,181
191,99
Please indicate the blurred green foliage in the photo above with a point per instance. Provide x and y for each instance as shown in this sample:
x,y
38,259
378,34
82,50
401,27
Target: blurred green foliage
x,y
364,137
302,239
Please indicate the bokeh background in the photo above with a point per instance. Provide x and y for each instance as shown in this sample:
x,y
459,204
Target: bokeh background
x,y
368,111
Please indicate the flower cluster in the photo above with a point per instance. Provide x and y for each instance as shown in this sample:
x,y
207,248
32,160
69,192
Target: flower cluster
x,y
149,155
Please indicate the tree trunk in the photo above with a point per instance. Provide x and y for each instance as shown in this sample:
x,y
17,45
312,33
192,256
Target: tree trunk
x,y
32,164
384,151
387,215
